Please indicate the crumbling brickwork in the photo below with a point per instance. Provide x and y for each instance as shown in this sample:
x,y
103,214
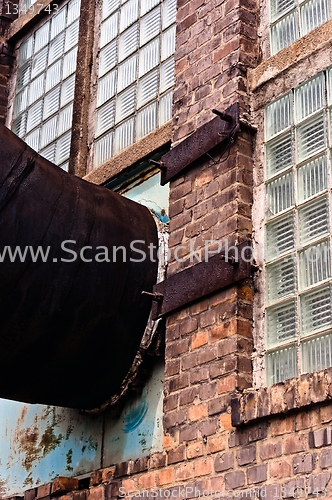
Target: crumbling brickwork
x,y
6,61
216,43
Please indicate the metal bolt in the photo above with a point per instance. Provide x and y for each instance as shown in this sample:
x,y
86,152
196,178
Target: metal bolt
x,y
155,295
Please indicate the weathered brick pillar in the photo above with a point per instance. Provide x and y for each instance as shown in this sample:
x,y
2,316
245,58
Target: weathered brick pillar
x,y
6,55
209,342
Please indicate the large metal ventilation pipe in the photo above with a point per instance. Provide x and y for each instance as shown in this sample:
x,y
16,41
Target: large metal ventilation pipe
x,y
69,329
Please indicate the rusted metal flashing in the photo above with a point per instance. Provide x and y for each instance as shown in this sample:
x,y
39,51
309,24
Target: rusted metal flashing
x,y
201,279
222,128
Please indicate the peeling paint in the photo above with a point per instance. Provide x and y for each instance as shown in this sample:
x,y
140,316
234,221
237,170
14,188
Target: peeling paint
x,y
69,460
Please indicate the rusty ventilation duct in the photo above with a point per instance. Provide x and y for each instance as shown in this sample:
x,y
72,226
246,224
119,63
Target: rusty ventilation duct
x,y
69,331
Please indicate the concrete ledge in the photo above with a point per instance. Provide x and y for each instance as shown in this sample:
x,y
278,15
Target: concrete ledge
x,y
135,153
291,394
303,48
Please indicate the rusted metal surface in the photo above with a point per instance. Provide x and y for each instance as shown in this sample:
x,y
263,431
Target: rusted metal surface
x,y
69,329
200,142
202,279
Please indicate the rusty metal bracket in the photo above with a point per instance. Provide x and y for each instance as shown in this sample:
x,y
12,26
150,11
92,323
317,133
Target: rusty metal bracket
x,y
202,279
222,128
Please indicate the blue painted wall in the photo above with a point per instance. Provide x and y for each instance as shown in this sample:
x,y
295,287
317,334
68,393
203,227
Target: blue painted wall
x,y
39,443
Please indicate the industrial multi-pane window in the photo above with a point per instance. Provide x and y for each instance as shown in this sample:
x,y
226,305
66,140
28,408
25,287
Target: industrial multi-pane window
x,y
45,85
136,72
298,315
291,19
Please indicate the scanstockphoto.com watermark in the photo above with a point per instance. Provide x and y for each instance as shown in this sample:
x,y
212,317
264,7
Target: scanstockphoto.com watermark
x,y
192,493
70,251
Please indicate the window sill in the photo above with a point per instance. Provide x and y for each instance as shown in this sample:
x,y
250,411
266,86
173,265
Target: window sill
x,y
129,156
289,56
292,394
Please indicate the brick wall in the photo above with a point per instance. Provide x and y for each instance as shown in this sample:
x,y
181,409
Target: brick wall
x,y
6,61
277,457
216,43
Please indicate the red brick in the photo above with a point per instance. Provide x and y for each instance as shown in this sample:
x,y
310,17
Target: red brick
x,y
203,467
178,382
225,421
246,455
294,444
184,471
147,481
282,426
195,449
188,326
97,493
320,437
234,480
107,474
63,484
208,427
307,419
303,464
226,49
176,455
218,405
207,354
44,490
171,402
175,418
177,347
165,476
199,339
326,459
197,412
176,207
326,413
188,361
290,489
188,433
280,469
207,390
318,482
270,450
179,221
180,191
157,460
257,474
172,367
199,375
216,443
187,396
224,462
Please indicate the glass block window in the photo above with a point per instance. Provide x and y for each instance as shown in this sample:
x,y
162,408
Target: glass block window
x,y
43,104
291,19
298,189
136,72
